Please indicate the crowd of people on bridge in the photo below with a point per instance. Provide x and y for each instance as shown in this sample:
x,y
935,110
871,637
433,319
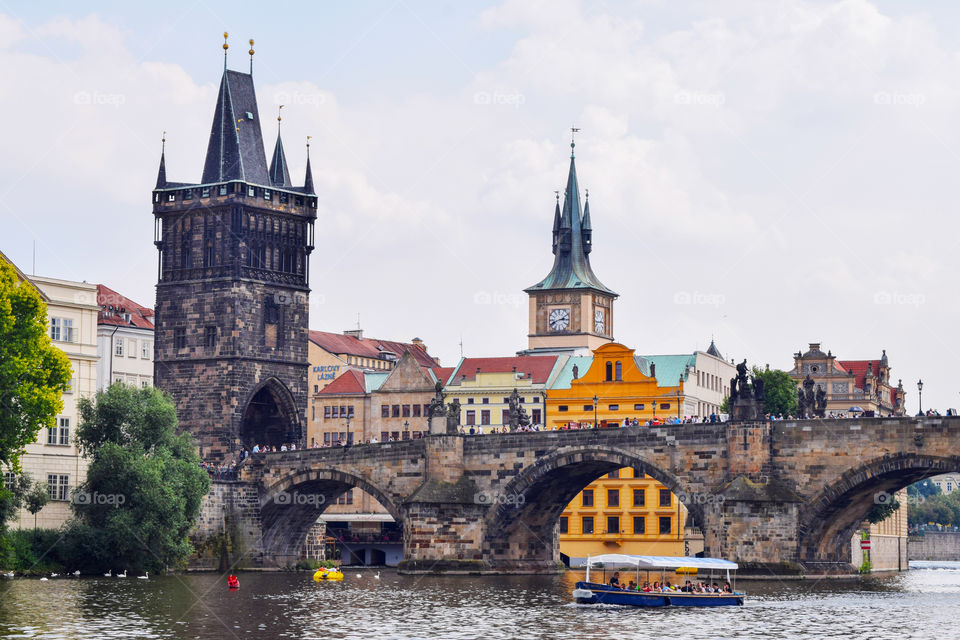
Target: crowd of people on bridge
x,y
222,471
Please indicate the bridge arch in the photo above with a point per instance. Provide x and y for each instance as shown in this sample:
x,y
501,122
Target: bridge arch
x,y
521,523
828,521
292,504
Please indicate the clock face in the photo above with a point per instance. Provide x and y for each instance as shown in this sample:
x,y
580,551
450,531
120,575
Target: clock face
x,y
559,319
598,323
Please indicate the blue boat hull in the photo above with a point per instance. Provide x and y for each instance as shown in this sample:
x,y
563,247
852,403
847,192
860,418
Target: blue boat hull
x,y
605,594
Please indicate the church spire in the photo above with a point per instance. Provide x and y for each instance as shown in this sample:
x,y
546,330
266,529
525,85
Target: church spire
x,y
279,174
308,178
556,224
162,172
587,230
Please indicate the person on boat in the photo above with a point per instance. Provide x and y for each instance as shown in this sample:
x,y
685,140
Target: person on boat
x,y
615,580
687,588
646,587
716,588
727,588
632,586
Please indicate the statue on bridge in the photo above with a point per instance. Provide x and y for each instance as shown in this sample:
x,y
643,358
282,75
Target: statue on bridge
x,y
820,406
746,400
758,392
437,408
453,416
807,399
516,414
742,377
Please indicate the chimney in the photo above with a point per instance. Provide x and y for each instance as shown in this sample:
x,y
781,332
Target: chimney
x,y
417,342
354,333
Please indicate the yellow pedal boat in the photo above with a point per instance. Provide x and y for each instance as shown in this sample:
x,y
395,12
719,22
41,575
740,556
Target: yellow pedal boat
x,y
324,574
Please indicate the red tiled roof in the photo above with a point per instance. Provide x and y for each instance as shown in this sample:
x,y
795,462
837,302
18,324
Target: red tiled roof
x,y
859,369
140,316
442,373
340,344
537,368
350,381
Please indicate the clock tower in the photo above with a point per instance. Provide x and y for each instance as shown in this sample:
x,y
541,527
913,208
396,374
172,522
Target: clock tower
x,y
571,311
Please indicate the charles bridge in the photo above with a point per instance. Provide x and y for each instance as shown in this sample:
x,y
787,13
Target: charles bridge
x,y
781,496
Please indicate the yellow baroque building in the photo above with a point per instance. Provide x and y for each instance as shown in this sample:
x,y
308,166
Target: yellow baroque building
x,y
624,511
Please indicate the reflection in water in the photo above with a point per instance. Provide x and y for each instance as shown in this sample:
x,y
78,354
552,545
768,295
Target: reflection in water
x,y
917,604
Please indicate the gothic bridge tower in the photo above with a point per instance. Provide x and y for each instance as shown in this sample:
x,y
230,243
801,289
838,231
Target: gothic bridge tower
x,y
232,284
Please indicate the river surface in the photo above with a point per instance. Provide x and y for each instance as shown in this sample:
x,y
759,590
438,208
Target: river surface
x,y
917,604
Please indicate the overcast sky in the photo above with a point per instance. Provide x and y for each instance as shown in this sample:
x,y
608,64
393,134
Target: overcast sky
x,y
771,173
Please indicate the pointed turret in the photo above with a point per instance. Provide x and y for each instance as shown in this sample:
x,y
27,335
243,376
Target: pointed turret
x,y
713,351
556,225
162,172
279,175
308,178
587,230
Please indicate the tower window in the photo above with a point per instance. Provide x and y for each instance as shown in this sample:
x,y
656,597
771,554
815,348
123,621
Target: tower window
x,y
208,254
251,191
267,195
171,197
210,337
609,371
619,373
188,194
223,190
205,192
179,338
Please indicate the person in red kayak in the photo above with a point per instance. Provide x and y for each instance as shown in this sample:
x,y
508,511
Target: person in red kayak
x,y
233,582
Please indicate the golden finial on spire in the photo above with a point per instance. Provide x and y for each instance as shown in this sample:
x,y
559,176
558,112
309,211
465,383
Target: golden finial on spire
x,y
279,113
225,36
163,142
251,56
308,141
251,46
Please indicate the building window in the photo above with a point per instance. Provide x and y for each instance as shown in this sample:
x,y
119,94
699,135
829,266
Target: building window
x,y
205,192
180,338
564,524
587,524
485,401
638,524
395,411
485,416
664,405
426,409
535,399
613,407
416,411
614,474
326,411
638,407
145,350
588,407
637,472
118,347
639,498
471,417
535,416
384,411
469,400
665,497
665,525
619,371
346,498
562,407
613,497
505,416
608,372
406,411
350,413
210,337
586,498
60,434
61,329
9,477
613,524
58,486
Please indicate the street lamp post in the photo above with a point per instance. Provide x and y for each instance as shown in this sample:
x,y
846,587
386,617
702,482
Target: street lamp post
x,y
595,401
346,441
920,396
679,384
406,429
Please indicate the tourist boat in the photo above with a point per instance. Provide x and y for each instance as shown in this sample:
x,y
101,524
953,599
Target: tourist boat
x,y
588,592
324,574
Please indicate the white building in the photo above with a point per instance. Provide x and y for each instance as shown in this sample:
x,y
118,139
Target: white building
x,y
706,379
54,457
124,340
947,483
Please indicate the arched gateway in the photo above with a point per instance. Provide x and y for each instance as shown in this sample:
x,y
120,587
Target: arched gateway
x,y
781,495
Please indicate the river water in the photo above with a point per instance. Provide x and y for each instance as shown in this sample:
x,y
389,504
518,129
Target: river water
x,y
916,604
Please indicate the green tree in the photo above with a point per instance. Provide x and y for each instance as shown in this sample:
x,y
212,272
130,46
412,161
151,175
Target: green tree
x,y
923,489
33,373
144,484
11,499
880,512
35,500
779,390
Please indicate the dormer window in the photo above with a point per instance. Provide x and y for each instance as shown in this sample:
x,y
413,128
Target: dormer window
x,y
223,190
171,197
188,194
205,192
267,195
251,192
249,116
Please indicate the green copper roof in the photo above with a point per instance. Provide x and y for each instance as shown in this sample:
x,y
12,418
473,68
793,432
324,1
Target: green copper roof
x,y
565,377
669,369
572,243
374,381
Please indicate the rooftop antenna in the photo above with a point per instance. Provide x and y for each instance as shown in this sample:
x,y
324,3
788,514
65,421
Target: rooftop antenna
x,y
358,320
225,47
163,143
251,56
461,345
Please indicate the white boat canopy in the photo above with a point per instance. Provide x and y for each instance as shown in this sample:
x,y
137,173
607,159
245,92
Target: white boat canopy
x,y
660,562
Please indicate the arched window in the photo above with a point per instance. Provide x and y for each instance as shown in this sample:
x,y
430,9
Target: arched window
x,y
619,371
609,368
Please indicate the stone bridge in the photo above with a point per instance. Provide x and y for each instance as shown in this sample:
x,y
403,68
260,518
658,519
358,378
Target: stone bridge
x,y
771,495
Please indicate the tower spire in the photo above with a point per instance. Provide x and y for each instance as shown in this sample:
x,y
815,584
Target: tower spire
x,y
251,56
225,47
162,172
279,174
